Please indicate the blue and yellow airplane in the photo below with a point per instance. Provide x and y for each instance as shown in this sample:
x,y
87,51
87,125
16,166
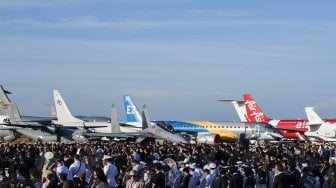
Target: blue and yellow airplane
x,y
209,131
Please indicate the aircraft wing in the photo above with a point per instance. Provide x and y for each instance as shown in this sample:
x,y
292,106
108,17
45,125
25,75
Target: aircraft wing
x,y
112,135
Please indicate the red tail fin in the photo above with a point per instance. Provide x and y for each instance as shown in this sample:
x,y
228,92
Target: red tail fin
x,y
253,111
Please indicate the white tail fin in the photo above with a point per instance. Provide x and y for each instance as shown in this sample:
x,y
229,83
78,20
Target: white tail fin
x,y
239,106
312,116
145,118
114,121
62,112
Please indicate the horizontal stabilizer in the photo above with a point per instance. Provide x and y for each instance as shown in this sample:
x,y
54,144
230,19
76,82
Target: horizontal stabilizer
x,y
228,100
312,116
239,107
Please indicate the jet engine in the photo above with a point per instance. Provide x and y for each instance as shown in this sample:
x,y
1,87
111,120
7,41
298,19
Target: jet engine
x,y
208,139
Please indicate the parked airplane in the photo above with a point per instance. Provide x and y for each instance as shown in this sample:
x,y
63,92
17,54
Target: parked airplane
x,y
83,134
8,113
211,132
318,128
149,130
5,101
65,118
290,128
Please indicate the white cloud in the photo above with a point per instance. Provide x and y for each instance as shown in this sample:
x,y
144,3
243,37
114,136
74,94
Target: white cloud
x,y
220,13
130,24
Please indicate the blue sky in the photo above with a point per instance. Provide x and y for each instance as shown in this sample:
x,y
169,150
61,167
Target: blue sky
x,y
176,56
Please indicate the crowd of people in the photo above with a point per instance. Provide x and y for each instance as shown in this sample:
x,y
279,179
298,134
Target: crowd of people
x,y
154,165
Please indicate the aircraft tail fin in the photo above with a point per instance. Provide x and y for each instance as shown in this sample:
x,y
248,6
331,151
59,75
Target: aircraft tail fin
x,y
253,111
312,116
7,107
3,95
132,112
11,110
62,111
115,128
145,118
239,107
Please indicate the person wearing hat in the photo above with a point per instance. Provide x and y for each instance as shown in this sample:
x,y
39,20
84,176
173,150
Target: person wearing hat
x,y
195,177
48,159
213,169
110,171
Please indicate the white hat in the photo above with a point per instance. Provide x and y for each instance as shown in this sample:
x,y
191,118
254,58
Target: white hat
x,y
192,166
155,161
212,165
107,157
206,167
239,162
304,164
49,155
143,163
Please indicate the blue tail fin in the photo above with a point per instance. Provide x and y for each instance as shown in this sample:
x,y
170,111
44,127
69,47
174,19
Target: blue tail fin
x,y
132,112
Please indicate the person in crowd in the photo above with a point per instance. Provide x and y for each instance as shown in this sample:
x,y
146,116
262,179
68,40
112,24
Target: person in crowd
x,y
110,171
186,178
77,168
99,179
280,178
133,182
158,178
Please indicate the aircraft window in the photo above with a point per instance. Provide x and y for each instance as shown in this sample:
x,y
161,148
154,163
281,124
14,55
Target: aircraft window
x,y
231,127
211,127
234,126
239,127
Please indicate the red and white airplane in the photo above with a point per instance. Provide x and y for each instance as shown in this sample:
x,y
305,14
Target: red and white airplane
x,y
248,110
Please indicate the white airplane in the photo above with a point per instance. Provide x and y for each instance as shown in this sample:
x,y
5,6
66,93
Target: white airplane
x,y
210,131
65,118
318,128
149,130
112,129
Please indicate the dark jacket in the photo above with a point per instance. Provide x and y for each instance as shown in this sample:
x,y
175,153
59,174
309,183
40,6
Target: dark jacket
x,y
280,181
185,181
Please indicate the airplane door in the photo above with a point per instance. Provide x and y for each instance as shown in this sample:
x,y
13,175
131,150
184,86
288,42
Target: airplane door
x,y
257,130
